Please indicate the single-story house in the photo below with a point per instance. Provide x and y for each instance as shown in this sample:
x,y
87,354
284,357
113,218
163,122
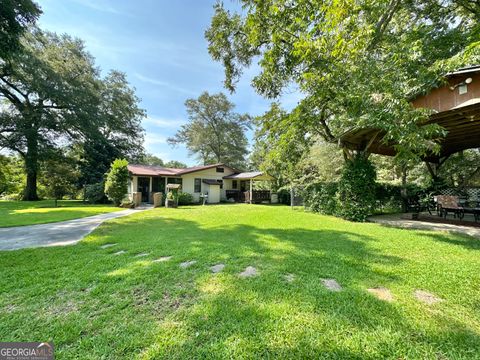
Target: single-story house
x,y
219,181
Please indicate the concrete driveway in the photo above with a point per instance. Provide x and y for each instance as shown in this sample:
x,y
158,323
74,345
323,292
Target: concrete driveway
x,y
55,234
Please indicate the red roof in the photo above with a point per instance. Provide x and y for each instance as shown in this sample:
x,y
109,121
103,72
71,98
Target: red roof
x,y
152,170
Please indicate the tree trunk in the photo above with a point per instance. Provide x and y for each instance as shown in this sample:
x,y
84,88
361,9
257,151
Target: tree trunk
x,y
31,167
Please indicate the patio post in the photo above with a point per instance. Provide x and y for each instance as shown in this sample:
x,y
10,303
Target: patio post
x,y
251,190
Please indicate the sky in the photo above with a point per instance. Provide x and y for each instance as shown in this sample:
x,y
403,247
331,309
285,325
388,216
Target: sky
x,y
160,45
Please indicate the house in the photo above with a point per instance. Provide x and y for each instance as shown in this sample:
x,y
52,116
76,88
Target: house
x,y
221,182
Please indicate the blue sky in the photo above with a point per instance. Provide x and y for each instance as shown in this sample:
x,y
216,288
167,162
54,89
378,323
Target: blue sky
x,y
160,45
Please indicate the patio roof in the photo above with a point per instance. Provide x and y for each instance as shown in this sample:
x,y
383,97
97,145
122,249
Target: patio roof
x,y
252,175
462,125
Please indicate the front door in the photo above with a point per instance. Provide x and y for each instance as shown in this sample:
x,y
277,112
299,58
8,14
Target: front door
x,y
144,187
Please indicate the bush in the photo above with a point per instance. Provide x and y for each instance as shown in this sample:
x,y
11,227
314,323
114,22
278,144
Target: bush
x,y
94,193
185,198
356,189
116,185
321,197
284,196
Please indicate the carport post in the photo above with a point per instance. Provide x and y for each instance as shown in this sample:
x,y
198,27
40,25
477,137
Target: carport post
x,y
251,190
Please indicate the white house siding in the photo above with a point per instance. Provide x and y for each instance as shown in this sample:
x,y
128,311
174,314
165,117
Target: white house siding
x,y
189,181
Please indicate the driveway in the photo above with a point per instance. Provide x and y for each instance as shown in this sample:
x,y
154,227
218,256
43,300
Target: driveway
x,y
55,234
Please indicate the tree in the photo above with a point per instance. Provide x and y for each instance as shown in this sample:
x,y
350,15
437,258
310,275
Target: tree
x,y
59,176
150,159
175,164
54,95
116,184
356,64
15,17
214,133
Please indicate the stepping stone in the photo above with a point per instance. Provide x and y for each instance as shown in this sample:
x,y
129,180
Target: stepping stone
x,y
217,268
187,264
107,246
381,293
426,297
162,259
289,277
142,254
332,285
120,252
249,272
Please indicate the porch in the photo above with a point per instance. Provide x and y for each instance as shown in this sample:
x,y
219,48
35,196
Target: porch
x,y
243,187
148,185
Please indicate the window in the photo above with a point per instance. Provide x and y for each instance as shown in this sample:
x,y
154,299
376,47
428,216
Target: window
x,y
234,184
220,169
197,186
174,181
462,89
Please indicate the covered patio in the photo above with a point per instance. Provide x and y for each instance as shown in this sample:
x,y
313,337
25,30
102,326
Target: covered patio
x,y
243,187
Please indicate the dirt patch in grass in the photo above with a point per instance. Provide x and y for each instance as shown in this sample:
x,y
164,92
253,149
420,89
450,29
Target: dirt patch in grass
x,y
427,297
381,293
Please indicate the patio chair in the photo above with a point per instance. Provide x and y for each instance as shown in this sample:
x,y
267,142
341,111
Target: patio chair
x,y
449,204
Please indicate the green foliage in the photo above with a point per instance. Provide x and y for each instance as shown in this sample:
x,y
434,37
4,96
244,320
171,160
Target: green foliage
x,y
356,190
95,193
116,183
284,196
175,164
214,133
15,17
185,198
322,198
59,177
53,90
354,64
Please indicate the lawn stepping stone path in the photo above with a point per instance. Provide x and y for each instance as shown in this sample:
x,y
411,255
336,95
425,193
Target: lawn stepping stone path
x,y
217,268
381,293
120,252
142,254
332,285
289,277
186,264
426,297
107,246
249,272
162,259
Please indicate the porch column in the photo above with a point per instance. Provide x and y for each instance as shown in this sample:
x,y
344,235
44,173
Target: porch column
x,y
165,186
150,187
251,190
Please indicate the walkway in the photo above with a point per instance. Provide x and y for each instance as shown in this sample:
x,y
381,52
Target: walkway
x,y
405,221
55,234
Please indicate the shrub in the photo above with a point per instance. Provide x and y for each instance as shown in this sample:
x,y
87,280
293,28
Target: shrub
x,y
356,189
94,193
116,185
185,198
284,196
321,197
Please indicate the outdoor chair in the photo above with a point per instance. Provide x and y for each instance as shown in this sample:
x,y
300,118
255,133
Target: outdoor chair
x,y
449,204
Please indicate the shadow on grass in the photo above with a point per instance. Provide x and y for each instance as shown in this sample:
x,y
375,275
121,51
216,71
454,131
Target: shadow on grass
x,y
130,306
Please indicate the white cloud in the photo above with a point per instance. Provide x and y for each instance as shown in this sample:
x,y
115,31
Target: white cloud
x,y
165,84
98,6
164,123
154,139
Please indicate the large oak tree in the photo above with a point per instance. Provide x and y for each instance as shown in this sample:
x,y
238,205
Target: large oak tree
x,y
52,95
214,133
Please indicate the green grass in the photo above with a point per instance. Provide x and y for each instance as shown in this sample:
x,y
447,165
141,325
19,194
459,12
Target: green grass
x,y
17,213
96,305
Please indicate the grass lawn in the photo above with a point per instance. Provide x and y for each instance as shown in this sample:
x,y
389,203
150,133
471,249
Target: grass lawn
x,y
16,213
96,305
